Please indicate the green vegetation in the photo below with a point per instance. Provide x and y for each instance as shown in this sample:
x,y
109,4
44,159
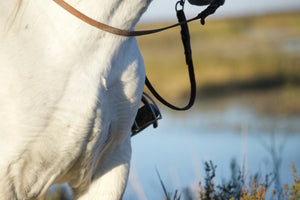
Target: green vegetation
x,y
256,57
293,191
237,187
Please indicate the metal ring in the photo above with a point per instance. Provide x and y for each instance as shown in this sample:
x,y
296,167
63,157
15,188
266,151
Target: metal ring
x,y
181,3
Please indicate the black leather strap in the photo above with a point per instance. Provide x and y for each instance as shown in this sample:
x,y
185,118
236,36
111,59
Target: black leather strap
x,y
185,36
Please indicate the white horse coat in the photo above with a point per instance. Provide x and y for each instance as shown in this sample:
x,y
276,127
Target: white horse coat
x,y
69,94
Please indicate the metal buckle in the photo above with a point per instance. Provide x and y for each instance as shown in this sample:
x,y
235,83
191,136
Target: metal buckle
x,y
147,114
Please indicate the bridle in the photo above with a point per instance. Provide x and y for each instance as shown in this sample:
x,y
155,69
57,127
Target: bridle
x,y
121,32
184,36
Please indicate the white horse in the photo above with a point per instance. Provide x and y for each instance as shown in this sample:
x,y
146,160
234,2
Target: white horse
x,y
69,94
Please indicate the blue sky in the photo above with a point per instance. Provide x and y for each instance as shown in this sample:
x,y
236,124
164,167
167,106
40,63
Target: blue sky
x,y
163,10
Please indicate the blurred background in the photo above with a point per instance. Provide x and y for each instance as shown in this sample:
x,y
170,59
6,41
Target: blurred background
x,y
247,65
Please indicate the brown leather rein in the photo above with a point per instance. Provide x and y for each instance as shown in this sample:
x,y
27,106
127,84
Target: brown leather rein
x,y
114,30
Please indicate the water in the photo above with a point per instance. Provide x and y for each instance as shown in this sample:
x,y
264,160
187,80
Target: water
x,y
184,141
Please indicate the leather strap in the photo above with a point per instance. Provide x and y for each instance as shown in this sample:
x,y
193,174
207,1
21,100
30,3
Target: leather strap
x,y
114,30
185,36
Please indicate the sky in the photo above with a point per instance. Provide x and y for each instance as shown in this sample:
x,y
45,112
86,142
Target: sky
x,y
164,10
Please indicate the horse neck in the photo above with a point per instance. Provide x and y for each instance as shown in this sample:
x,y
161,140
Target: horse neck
x,y
45,27
123,14
44,39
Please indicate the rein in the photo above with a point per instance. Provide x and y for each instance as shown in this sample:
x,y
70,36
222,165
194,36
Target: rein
x,y
184,36
113,30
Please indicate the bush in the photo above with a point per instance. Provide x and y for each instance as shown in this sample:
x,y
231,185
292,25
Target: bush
x,y
256,188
